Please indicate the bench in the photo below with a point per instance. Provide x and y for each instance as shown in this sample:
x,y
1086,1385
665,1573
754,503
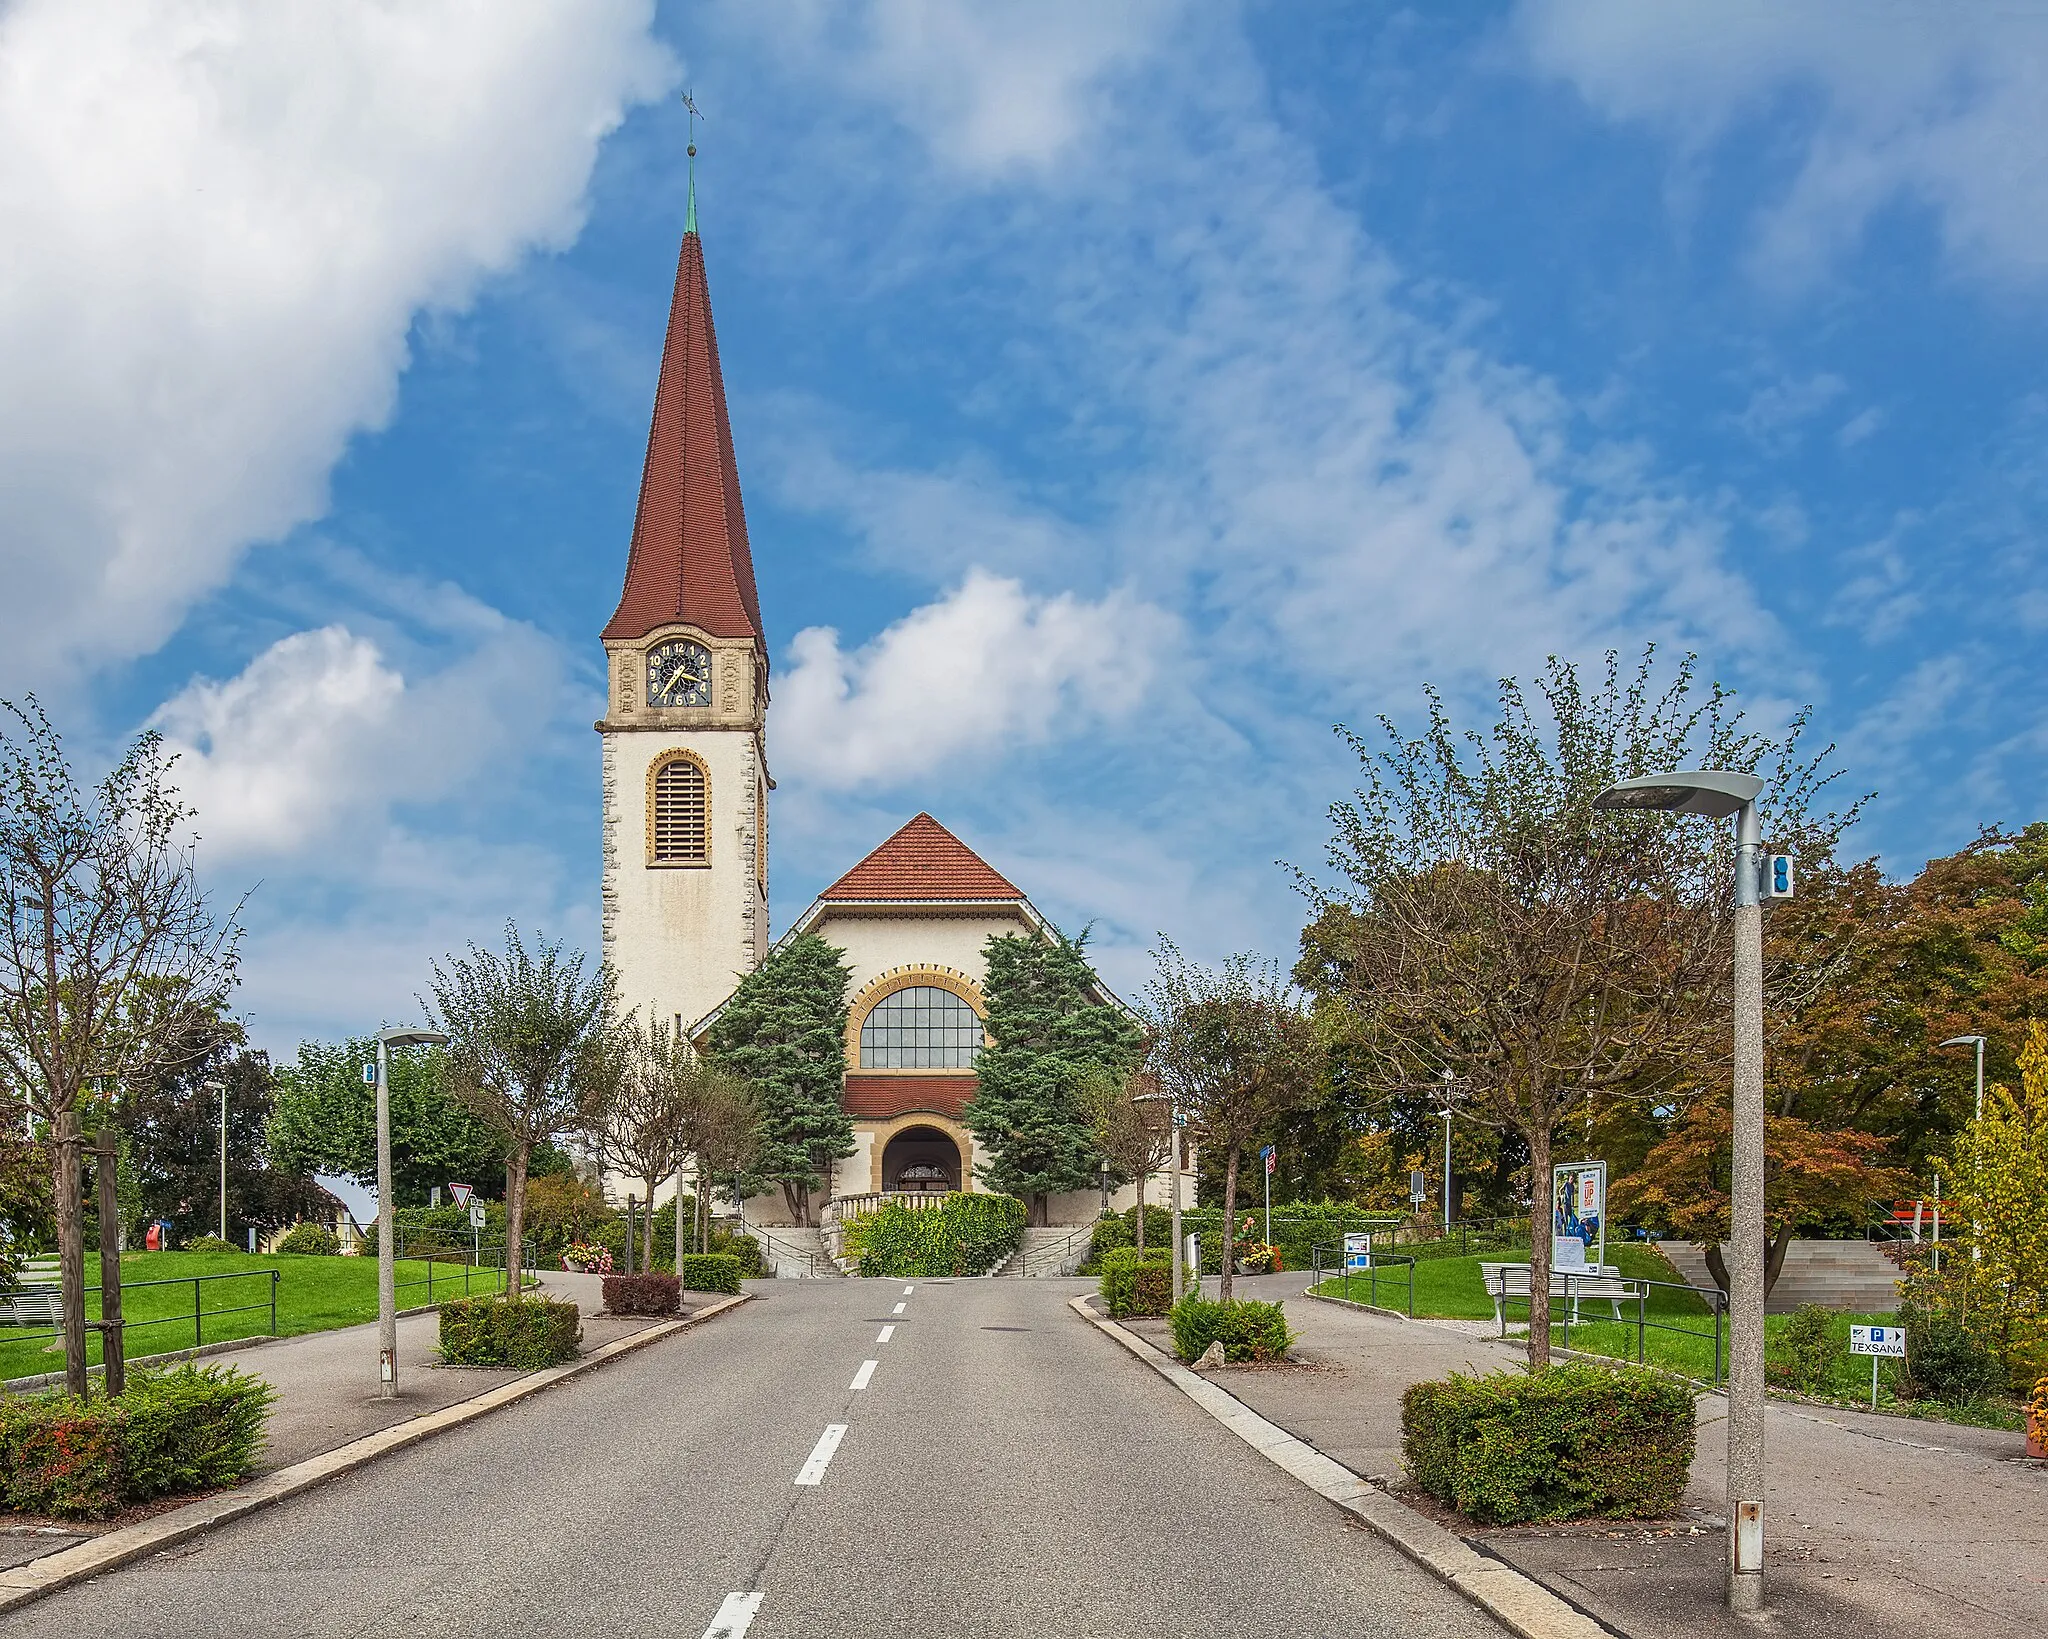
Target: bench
x,y
33,1306
1602,1284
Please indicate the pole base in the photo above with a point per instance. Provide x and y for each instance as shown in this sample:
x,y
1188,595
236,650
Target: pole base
x,y
1746,1592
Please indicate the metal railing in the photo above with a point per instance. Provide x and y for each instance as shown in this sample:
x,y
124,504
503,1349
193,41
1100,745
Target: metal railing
x,y
1368,1279
480,1259
775,1252
1063,1256
1566,1295
197,1319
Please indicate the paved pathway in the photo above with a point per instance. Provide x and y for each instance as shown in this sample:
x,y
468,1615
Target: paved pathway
x,y
1881,1527
1003,1469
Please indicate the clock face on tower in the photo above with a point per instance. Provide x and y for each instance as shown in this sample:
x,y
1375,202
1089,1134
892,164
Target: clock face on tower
x,y
679,674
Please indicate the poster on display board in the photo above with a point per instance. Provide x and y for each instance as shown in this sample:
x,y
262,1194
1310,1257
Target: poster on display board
x,y
1578,1215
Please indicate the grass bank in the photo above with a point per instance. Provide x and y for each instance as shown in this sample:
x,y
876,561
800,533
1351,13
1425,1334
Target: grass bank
x,y
313,1295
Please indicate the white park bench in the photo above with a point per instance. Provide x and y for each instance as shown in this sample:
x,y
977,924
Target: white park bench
x,y
33,1306
1602,1284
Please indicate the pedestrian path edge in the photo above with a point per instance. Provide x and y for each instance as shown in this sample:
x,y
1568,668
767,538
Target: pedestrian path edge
x,y
23,1584
1520,1604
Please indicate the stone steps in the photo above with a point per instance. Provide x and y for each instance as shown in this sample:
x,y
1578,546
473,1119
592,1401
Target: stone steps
x,y
1849,1275
1048,1251
793,1253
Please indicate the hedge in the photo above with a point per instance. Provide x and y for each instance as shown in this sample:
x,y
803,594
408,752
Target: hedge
x,y
650,1294
1248,1330
192,1429
309,1241
523,1333
1577,1441
711,1272
1136,1286
965,1234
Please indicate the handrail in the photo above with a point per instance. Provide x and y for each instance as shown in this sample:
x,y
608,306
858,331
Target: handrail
x,y
198,1315
1057,1252
1563,1280
1344,1275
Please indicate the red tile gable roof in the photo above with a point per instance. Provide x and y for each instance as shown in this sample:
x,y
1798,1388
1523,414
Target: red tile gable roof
x,y
689,559
923,861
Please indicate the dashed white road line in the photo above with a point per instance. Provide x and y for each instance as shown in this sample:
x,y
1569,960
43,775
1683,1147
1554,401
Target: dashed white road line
x,y
734,1617
813,1472
908,1290
886,1333
865,1375
897,1310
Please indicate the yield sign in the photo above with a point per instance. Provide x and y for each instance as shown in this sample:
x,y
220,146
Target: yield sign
x,y
462,1193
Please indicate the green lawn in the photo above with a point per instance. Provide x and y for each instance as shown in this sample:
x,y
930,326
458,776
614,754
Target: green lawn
x,y
1450,1289
313,1295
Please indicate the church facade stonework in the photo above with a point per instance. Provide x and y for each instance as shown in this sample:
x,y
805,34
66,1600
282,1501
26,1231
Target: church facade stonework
x,y
686,789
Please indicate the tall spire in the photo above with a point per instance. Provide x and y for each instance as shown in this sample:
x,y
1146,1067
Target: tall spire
x,y
690,561
690,210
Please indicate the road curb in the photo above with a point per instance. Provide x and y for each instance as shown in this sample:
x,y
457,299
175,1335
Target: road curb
x,y
23,1584
1520,1604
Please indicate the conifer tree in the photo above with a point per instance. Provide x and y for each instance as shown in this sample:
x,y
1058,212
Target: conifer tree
x,y
1050,1038
784,1031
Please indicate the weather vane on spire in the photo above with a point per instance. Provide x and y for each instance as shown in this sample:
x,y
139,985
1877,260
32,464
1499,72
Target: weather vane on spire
x,y
690,211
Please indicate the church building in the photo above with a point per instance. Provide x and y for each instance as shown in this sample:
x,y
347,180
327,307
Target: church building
x,y
686,788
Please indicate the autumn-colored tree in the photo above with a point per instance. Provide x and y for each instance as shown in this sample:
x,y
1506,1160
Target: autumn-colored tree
x,y
1809,1173
1133,1127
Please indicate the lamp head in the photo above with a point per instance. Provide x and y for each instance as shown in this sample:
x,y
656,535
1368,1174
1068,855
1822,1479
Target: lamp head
x,y
1964,1041
412,1038
1712,793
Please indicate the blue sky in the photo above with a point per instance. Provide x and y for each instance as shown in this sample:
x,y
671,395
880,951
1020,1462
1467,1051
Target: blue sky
x,y
1123,395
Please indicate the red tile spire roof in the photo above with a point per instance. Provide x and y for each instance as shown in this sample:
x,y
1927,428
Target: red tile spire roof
x,y
923,860
689,560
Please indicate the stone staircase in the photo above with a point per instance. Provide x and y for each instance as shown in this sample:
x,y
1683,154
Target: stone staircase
x,y
1050,1251
1850,1275
792,1253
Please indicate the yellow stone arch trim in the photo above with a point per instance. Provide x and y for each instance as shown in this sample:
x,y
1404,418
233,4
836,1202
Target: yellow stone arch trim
x,y
904,978
654,773
883,1131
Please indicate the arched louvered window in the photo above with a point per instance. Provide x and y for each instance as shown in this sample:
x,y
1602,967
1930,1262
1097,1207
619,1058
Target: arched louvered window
x,y
679,813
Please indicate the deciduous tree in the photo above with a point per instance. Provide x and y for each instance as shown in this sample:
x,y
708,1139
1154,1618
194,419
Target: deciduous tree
x,y
1133,1127
529,1046
1236,1048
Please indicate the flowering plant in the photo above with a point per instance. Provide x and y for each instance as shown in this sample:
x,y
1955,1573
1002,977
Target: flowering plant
x,y
585,1259
2037,1420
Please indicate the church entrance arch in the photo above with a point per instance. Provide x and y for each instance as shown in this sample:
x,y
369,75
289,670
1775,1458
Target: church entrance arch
x,y
921,1158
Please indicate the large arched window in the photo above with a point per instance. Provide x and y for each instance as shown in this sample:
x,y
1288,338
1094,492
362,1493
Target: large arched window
x,y
679,813
920,1027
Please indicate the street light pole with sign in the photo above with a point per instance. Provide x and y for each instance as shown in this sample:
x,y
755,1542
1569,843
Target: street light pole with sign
x,y
1725,794
221,1087
387,1213
1976,1252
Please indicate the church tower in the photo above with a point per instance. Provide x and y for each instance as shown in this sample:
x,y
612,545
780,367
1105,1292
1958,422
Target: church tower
x,y
685,761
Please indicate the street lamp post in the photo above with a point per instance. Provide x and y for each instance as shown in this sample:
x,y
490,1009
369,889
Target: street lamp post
x,y
1448,1078
1720,794
387,1216
221,1087
1976,1252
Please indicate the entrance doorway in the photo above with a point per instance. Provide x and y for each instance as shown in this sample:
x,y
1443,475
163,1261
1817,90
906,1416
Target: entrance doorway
x,y
921,1159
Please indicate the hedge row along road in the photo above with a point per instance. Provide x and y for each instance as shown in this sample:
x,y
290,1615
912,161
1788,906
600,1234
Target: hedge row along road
x,y
835,1458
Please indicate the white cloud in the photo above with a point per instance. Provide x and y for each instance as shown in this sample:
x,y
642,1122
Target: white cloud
x,y
319,737
222,217
984,670
989,85
1936,106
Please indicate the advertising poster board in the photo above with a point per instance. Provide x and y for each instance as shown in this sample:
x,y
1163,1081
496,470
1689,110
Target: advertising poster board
x,y
1358,1250
1578,1215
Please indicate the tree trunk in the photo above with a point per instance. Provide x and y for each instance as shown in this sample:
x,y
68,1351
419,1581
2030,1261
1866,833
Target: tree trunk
x,y
1717,1266
1539,1245
113,1344
1229,1220
700,1219
71,1246
1141,1212
1774,1263
515,1217
798,1202
647,1239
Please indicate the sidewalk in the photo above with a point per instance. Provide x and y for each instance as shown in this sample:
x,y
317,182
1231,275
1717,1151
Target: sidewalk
x,y
326,1386
1884,1527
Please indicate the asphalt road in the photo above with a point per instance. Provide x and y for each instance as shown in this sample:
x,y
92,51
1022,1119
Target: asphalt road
x,y
1003,1470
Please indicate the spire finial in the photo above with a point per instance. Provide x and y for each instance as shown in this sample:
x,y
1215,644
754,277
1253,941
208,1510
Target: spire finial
x,y
690,210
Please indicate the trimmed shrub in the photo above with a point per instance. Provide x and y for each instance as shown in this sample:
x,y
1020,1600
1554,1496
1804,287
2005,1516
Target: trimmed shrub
x,y
965,1234
711,1272
1110,1233
1248,1330
655,1294
192,1429
525,1333
64,1456
1131,1285
309,1241
1574,1442
1805,1351
1945,1361
208,1243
